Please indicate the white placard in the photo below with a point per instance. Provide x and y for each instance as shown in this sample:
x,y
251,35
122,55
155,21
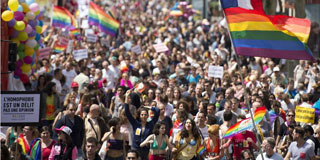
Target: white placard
x,y
88,31
63,41
160,47
70,46
44,53
20,108
215,71
84,24
105,42
91,38
80,54
136,49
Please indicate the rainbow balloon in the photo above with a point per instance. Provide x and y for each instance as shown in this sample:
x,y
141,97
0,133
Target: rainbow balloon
x,y
246,123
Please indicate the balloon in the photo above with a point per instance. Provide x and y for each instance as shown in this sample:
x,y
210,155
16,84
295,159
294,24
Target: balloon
x,y
27,59
37,13
7,15
32,33
21,55
40,23
36,47
13,5
30,15
34,7
38,29
37,37
23,36
33,23
28,51
19,26
21,47
18,16
19,63
25,68
20,8
31,43
12,22
28,29
14,34
17,71
24,78
29,1
25,7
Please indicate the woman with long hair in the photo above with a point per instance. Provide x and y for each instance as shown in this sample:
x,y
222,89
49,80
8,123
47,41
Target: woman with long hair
x,y
64,149
26,138
41,147
114,143
50,104
176,96
41,83
117,101
158,142
213,144
85,103
187,142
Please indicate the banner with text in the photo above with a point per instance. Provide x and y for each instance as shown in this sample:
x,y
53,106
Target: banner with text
x,y
44,53
305,115
19,108
215,71
136,49
80,54
160,47
91,38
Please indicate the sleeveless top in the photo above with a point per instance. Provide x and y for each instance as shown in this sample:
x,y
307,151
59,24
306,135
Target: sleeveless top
x,y
115,144
216,149
12,137
154,145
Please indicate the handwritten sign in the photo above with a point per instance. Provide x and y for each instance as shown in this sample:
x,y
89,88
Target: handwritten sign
x,y
91,38
305,115
215,71
70,46
136,49
20,108
85,24
160,47
44,53
63,41
80,54
105,42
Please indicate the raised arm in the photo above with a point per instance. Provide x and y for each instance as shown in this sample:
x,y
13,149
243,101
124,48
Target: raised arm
x,y
156,112
149,140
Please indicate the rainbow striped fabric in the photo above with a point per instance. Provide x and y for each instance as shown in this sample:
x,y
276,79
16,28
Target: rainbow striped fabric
x,y
75,32
58,48
200,150
35,149
62,18
23,143
246,123
256,34
104,21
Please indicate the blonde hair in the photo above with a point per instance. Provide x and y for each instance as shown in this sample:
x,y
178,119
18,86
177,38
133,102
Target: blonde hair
x,y
214,129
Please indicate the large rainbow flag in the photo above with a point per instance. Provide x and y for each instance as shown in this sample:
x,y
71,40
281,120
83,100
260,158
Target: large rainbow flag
x,y
62,18
256,34
246,123
105,22
35,149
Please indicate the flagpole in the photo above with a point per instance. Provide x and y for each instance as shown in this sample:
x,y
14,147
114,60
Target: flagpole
x,y
245,93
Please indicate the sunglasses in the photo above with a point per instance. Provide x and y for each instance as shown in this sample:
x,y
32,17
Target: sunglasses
x,y
290,115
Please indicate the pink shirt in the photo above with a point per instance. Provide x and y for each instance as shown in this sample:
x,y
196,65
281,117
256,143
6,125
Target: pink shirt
x,y
123,83
56,151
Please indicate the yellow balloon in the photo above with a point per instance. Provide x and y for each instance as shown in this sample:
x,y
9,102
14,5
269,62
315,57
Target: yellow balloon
x,y
37,12
16,40
25,68
23,36
29,51
26,19
19,26
7,15
38,29
25,7
13,5
34,66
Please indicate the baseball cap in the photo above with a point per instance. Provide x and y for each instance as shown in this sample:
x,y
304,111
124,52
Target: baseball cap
x,y
276,69
64,129
74,85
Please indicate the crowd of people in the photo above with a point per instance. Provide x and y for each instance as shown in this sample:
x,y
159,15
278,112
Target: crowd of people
x,y
117,104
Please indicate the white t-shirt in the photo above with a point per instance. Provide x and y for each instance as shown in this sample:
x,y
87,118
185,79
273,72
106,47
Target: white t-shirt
x,y
275,156
204,131
58,85
69,76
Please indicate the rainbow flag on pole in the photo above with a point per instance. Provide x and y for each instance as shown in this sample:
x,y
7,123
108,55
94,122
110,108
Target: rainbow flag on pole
x,y
58,48
256,34
75,32
246,123
105,22
62,18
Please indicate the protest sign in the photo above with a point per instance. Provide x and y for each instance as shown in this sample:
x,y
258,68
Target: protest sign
x,y
70,46
20,108
160,47
91,38
44,53
305,115
136,49
105,42
80,54
63,41
85,24
215,71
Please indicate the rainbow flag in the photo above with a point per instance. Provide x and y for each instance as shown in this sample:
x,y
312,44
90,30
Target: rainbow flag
x,y
58,48
23,143
35,149
105,22
246,123
274,115
75,32
201,149
62,18
256,34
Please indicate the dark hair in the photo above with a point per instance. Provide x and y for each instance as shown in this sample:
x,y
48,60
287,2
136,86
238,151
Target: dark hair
x,y
46,128
227,115
4,152
114,121
157,128
300,131
204,113
212,104
83,68
308,128
183,114
164,99
133,151
195,130
211,119
57,71
141,109
92,140
15,146
185,105
48,88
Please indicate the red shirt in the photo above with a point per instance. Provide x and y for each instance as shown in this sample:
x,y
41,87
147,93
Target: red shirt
x,y
240,143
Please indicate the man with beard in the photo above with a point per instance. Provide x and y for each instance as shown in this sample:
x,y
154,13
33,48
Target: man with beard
x,y
267,145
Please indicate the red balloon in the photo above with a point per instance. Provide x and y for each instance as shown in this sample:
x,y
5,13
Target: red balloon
x,y
24,78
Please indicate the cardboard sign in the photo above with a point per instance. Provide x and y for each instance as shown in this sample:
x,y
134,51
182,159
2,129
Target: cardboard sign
x,y
136,49
19,108
80,54
215,71
44,53
305,115
160,47
70,46
105,42
91,38
63,41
